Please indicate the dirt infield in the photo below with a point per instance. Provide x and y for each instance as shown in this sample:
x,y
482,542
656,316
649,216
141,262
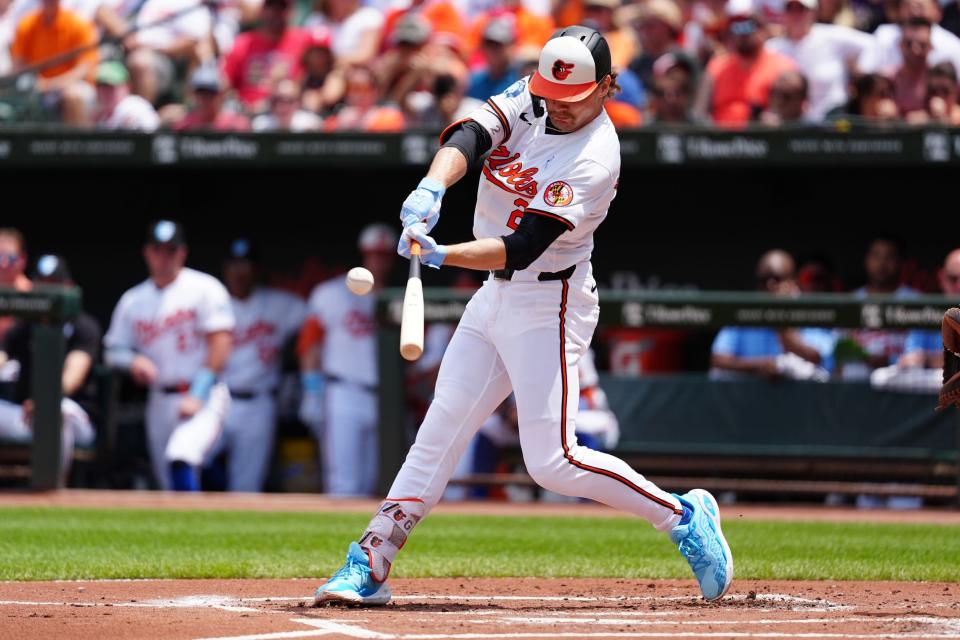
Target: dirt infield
x,y
468,608
479,608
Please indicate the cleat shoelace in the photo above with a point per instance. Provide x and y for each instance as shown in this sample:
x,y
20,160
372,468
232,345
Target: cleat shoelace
x,y
353,571
692,550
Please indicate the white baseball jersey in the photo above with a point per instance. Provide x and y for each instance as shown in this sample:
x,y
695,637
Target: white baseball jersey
x,y
169,325
349,349
264,322
571,177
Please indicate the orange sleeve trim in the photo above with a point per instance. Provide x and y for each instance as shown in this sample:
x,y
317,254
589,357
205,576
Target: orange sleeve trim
x,y
570,226
502,118
310,335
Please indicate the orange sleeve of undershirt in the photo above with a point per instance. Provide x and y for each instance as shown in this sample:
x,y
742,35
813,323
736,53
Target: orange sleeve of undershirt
x,y
310,335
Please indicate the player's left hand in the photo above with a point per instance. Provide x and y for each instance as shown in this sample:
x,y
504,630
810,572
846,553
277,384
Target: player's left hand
x,y
431,253
189,406
423,204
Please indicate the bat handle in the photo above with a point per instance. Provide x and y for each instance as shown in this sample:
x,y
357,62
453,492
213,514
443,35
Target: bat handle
x,y
414,259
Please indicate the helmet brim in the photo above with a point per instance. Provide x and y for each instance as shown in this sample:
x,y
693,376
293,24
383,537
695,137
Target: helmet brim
x,y
540,86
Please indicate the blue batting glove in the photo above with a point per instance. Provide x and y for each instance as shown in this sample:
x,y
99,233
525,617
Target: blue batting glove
x,y
431,253
423,204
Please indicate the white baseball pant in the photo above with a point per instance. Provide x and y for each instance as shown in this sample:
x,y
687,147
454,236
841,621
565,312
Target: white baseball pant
x,y
77,428
349,446
171,439
528,336
248,436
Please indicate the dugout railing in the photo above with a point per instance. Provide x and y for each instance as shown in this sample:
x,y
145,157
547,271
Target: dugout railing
x,y
48,307
749,436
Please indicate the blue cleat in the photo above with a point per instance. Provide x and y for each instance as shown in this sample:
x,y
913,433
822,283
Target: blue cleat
x,y
702,543
353,583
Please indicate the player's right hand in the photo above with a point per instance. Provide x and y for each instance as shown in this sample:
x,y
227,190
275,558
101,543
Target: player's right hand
x,y
189,406
431,253
423,204
311,409
143,370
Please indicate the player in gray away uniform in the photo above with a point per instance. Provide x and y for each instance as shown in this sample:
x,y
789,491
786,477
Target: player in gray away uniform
x,y
547,184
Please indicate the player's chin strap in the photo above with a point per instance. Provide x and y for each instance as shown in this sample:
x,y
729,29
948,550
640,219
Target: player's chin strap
x,y
387,533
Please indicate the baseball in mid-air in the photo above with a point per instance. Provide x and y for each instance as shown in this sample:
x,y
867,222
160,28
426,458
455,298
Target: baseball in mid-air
x,y
360,281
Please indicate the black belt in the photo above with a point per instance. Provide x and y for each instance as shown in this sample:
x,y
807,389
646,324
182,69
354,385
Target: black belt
x,y
507,274
241,394
368,387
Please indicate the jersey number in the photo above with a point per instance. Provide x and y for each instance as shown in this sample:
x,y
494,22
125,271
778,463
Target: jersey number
x,y
517,214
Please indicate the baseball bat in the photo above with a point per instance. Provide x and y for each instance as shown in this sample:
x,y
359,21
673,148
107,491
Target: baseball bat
x,y
411,323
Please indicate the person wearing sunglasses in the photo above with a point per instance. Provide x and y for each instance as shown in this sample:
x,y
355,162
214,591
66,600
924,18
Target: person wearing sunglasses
x,y
803,354
285,112
208,89
173,333
13,262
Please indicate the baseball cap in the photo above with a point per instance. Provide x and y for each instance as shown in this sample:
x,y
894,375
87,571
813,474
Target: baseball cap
x,y
166,232
499,31
243,249
378,237
666,11
411,29
112,73
52,269
206,78
572,63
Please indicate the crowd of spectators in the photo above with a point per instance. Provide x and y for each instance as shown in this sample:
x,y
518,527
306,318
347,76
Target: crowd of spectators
x,y
388,65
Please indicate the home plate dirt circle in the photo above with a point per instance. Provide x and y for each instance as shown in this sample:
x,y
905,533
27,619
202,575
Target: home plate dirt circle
x,y
479,608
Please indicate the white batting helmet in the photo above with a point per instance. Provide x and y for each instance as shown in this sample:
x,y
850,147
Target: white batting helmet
x,y
378,237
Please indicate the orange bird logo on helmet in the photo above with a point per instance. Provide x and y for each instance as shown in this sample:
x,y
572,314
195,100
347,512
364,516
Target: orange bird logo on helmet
x,y
561,69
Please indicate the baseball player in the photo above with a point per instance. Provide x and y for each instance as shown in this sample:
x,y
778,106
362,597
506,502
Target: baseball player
x,y
549,178
173,334
266,319
79,401
338,364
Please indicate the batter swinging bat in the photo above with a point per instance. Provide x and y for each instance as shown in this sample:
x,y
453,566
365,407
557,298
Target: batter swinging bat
x,y
411,323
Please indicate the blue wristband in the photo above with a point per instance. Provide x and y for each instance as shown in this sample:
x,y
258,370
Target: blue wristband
x,y
202,384
312,381
432,185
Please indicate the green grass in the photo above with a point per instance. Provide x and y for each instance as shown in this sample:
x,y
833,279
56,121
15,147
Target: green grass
x,y
51,543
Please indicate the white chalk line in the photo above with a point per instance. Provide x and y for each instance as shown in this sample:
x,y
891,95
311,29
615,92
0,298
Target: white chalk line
x,y
200,601
951,628
626,621
324,627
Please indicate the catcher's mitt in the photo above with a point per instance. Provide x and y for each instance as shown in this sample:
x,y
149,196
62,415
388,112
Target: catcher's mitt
x,y
950,330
